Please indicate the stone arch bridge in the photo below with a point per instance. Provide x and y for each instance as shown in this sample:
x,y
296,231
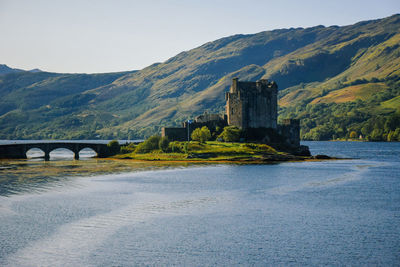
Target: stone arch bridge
x,y
18,151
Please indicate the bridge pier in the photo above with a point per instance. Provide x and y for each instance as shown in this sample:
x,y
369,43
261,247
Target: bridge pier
x,y
76,151
46,152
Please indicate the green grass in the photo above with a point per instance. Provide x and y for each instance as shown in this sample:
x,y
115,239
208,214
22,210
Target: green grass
x,y
393,103
213,151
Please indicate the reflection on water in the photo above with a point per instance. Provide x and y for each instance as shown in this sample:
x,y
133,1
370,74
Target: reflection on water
x,y
35,174
34,153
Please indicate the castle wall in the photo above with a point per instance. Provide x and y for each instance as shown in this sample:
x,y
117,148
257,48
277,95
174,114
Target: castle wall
x,y
206,117
234,109
252,104
211,121
290,130
174,134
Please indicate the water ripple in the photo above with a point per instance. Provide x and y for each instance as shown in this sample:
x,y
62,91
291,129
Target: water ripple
x,y
74,242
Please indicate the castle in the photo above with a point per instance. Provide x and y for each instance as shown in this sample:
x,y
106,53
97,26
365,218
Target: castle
x,y
252,104
252,107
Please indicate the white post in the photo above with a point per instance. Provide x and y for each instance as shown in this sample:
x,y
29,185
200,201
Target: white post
x,y
188,125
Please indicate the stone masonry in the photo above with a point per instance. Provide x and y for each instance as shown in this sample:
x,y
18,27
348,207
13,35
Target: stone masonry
x,y
252,104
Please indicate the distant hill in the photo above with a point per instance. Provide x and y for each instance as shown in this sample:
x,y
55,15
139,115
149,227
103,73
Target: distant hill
x,y
4,69
338,80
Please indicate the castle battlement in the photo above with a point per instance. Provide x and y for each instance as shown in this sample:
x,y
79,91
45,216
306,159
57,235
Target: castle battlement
x,y
262,86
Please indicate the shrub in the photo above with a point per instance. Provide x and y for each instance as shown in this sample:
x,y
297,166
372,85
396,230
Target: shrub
x,y
193,146
202,135
205,134
196,134
152,143
163,144
131,145
216,133
141,148
266,148
127,149
259,147
230,134
113,147
249,145
175,147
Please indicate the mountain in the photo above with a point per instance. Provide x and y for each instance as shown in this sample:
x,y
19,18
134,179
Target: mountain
x,y
4,69
337,80
35,70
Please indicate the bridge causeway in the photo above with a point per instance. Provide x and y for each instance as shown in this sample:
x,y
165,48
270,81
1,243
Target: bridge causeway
x,y
18,151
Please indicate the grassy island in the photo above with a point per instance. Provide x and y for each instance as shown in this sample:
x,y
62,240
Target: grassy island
x,y
209,151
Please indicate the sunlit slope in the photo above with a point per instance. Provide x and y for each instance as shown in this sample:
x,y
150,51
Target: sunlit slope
x,y
313,66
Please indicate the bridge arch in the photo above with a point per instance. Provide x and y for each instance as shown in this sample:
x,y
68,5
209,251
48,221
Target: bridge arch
x,y
35,152
87,152
19,150
61,153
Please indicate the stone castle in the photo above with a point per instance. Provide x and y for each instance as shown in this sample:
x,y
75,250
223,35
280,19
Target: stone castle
x,y
252,104
252,107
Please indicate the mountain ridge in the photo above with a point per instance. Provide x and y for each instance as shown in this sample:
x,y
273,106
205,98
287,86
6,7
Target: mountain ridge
x,y
4,69
309,65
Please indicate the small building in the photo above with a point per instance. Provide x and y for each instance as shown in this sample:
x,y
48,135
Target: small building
x,y
212,121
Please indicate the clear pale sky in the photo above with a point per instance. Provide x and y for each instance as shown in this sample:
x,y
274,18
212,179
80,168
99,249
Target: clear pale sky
x,y
117,35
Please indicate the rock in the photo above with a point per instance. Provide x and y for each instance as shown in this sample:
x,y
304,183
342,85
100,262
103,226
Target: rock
x,y
321,157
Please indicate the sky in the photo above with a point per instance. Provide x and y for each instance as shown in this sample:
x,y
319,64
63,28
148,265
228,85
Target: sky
x,y
93,36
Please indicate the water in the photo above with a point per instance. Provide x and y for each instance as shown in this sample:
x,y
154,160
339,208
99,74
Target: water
x,y
106,213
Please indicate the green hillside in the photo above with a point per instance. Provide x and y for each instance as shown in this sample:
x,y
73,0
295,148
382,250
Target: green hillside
x,y
336,79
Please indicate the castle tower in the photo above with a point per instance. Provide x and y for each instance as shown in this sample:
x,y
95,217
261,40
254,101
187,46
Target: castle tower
x,y
252,104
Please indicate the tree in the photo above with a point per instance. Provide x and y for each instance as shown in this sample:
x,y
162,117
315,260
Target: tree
x,y
113,147
163,144
390,137
201,134
396,135
376,135
152,143
205,134
230,134
392,122
196,134
353,134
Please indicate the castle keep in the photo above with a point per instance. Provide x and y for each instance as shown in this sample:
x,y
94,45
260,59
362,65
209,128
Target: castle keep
x,y
252,107
252,104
